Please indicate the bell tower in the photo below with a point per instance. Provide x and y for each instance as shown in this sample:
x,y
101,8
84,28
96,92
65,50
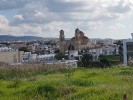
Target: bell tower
x,y
77,39
62,41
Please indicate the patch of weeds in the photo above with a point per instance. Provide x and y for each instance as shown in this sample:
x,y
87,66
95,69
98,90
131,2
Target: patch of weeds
x,y
44,90
1,92
126,72
92,74
114,96
32,79
65,90
88,94
82,82
16,84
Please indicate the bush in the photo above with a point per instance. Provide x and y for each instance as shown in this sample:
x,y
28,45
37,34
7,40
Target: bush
x,y
113,59
105,62
59,56
82,82
86,58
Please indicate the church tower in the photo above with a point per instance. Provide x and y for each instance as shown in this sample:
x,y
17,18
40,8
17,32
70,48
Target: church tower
x,y
77,39
62,41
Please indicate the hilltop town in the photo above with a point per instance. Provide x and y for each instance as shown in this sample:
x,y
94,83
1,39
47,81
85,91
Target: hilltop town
x,y
60,68
45,51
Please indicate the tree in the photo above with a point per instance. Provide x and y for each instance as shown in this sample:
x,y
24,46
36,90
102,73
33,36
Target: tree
x,y
57,51
121,52
120,44
59,56
23,49
86,59
105,62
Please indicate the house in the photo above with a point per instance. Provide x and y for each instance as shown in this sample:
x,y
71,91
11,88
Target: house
x,y
28,57
68,63
128,51
25,56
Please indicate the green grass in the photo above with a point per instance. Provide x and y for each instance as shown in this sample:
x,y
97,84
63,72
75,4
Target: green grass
x,y
111,58
58,83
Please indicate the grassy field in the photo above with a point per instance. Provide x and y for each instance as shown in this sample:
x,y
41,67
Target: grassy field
x,y
58,83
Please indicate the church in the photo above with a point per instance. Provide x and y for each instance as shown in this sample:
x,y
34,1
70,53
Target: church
x,y
77,43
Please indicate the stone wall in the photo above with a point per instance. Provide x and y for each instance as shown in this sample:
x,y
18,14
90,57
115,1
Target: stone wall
x,y
11,57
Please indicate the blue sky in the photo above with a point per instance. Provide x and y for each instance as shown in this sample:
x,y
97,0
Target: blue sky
x,y
96,18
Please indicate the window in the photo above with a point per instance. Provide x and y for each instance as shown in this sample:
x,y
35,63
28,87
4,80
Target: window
x,y
129,46
25,59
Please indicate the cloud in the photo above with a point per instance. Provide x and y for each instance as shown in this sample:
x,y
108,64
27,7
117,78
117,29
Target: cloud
x,y
12,4
44,17
117,26
122,7
46,11
5,28
18,17
3,22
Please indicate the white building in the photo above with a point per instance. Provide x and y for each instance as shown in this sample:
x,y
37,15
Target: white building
x,y
96,52
110,50
33,58
73,54
128,51
69,63
45,57
6,49
28,57
103,50
25,56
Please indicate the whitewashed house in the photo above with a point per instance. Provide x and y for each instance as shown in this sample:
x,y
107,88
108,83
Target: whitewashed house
x,y
25,56
128,51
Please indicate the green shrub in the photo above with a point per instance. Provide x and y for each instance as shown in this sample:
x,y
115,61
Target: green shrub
x,y
82,82
46,89
126,72
15,84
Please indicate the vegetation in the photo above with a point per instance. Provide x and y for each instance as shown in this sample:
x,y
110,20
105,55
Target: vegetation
x,y
59,56
88,62
85,60
23,49
111,59
40,82
119,43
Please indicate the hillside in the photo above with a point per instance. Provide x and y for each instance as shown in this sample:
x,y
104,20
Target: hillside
x,y
15,38
58,83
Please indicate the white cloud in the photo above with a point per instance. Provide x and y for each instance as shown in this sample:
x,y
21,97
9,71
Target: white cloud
x,y
18,17
44,17
39,14
43,11
117,26
5,28
12,4
3,20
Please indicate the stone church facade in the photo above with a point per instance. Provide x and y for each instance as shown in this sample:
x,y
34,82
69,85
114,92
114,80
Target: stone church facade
x,y
78,42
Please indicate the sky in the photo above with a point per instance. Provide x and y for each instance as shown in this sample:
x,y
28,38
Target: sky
x,y
45,18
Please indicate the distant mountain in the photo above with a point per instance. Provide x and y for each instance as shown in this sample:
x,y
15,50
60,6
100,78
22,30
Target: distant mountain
x,y
17,38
